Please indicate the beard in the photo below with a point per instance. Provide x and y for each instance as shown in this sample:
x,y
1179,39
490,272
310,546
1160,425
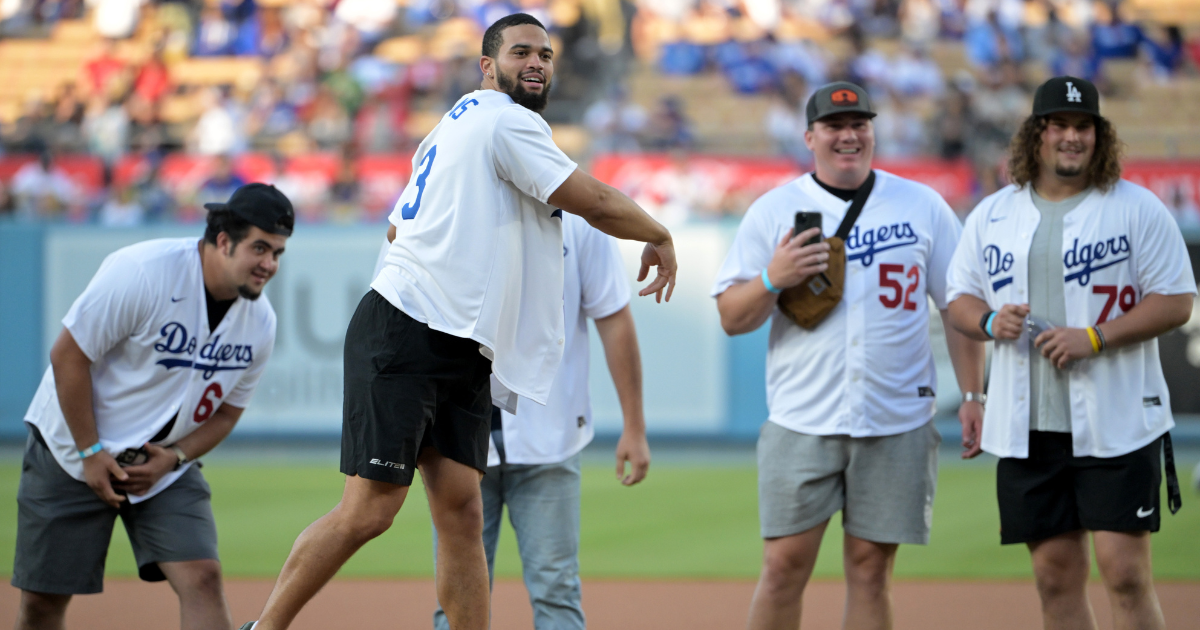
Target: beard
x,y
1068,171
1063,170
248,293
528,100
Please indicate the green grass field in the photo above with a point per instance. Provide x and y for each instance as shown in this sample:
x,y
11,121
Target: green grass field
x,y
683,522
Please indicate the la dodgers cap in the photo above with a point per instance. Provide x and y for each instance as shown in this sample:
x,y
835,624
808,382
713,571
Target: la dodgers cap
x,y
263,206
1066,94
836,98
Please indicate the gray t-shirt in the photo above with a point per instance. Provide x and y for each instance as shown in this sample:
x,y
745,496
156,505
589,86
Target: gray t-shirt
x,y
1049,390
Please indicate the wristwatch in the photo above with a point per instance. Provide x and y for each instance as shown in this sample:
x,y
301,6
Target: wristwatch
x,y
183,458
978,397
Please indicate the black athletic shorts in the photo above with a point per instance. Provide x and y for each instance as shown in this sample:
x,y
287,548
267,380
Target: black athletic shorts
x,y
408,386
1053,492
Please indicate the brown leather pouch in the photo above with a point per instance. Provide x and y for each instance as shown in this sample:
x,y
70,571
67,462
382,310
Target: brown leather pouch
x,y
809,303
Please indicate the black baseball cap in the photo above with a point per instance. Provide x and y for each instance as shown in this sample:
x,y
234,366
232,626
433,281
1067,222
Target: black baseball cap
x,y
836,98
1066,94
263,206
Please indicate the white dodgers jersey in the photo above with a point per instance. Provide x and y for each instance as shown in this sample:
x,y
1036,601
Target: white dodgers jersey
x,y
143,322
867,369
1118,247
478,251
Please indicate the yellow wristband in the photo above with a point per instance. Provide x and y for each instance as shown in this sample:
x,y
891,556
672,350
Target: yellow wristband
x,y
1095,340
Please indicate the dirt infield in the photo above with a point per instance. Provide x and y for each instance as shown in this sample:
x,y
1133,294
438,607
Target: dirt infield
x,y
615,605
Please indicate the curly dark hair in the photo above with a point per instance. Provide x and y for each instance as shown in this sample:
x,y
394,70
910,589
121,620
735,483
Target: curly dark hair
x,y
494,36
1103,171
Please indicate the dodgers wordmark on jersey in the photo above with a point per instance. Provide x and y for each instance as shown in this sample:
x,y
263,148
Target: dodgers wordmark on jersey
x,y
478,251
143,322
1117,247
594,285
867,370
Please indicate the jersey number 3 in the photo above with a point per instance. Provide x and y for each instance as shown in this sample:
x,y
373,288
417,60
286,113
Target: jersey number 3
x,y
410,209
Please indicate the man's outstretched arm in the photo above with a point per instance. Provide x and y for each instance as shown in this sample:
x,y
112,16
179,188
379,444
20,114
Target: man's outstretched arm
x,y
612,212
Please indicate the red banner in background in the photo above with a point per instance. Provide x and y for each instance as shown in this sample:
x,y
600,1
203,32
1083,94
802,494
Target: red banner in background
x,y
306,179
1176,183
674,187
85,171
383,178
668,185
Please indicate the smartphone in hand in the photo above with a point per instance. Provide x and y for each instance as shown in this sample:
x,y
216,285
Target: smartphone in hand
x,y
1037,325
806,220
133,457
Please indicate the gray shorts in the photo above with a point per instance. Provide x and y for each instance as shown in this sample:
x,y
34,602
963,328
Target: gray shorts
x,y
64,529
883,485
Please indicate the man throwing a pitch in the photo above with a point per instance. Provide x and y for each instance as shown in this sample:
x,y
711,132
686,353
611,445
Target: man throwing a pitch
x,y
471,290
852,399
155,363
1075,272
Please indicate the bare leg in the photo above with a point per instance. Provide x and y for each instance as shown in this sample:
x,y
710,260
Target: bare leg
x,y
456,505
1060,566
365,511
787,564
42,611
868,568
202,602
1124,561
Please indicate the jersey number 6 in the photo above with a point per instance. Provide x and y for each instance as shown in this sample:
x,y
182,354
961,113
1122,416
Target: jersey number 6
x,y
410,209
208,403
898,291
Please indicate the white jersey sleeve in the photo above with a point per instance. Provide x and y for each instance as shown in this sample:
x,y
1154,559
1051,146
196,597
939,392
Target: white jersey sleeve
x,y
752,249
115,304
966,275
604,289
526,156
946,233
1161,256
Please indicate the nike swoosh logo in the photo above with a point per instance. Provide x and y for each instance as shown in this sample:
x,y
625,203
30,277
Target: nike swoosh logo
x,y
995,220
1141,514
176,299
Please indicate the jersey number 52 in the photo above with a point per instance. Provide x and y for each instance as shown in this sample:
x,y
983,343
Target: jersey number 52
x,y
899,292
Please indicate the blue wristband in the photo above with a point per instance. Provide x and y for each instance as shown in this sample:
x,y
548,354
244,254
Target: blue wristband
x,y
988,328
89,451
767,282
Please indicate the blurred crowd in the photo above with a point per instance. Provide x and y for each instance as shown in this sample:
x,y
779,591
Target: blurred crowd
x,y
334,81
330,82
966,105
